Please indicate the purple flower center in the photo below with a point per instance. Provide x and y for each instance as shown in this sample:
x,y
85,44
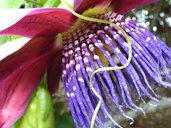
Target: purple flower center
x,y
95,45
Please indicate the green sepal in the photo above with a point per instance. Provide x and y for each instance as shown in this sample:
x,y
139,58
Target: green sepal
x,y
39,113
45,98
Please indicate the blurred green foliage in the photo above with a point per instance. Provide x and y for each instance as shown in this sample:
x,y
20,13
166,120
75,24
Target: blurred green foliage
x,y
62,120
10,3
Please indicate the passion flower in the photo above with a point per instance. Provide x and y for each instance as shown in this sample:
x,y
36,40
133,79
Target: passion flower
x,y
82,52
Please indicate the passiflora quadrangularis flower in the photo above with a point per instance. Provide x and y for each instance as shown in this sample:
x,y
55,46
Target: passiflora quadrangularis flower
x,y
62,44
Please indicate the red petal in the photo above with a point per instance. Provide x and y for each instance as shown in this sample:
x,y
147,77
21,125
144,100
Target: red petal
x,y
54,73
123,6
17,89
20,80
36,22
12,46
31,50
82,5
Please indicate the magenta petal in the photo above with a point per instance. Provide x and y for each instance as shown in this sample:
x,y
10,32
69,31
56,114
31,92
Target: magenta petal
x,y
36,22
12,46
28,52
17,89
17,85
54,73
123,6
82,5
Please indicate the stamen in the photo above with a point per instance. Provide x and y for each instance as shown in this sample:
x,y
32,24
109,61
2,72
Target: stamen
x,y
104,68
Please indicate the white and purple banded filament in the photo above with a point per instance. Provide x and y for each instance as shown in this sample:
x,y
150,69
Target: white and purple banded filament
x,y
97,45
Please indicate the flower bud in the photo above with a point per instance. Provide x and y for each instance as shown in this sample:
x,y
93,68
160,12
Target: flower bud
x,y
39,113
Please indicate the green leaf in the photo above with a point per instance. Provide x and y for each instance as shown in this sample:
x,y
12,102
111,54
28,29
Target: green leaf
x,y
42,1
4,39
10,3
52,3
31,3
